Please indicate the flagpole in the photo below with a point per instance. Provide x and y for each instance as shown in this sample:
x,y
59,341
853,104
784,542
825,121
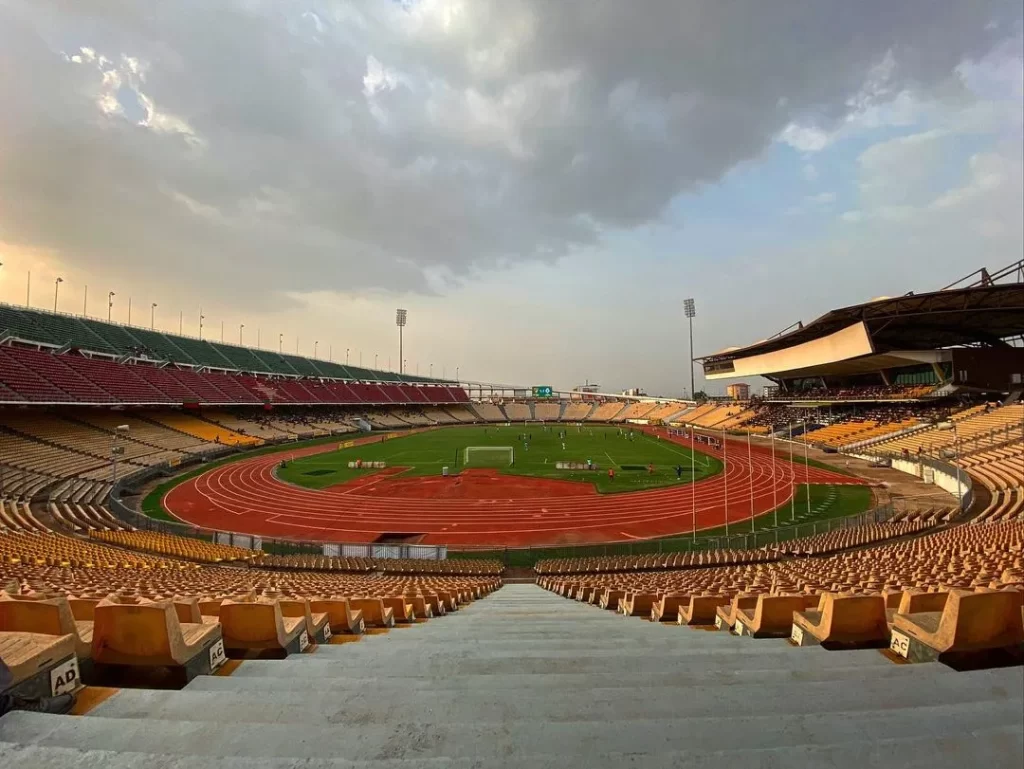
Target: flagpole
x,y
775,489
750,461
807,472
792,478
725,471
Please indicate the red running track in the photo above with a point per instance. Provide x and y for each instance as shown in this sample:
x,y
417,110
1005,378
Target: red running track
x,y
246,497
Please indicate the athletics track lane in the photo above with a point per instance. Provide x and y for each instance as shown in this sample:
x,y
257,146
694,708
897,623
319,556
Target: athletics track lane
x,y
245,496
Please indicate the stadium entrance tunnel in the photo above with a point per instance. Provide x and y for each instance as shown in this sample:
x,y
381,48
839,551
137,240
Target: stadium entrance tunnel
x,y
399,539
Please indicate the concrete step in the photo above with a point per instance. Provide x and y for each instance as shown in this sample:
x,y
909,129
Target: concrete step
x,y
996,747
578,741
334,704
278,679
320,665
728,646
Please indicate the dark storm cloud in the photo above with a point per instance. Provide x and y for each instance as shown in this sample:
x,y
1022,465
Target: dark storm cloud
x,y
321,145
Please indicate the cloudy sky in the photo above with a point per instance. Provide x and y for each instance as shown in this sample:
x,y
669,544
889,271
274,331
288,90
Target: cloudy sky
x,y
540,183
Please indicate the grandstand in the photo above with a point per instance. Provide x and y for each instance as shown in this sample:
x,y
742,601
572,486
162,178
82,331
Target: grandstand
x,y
923,345
606,412
44,330
793,677
489,412
576,411
547,412
637,410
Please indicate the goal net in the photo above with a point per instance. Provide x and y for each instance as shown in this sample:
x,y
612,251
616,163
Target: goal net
x,y
488,456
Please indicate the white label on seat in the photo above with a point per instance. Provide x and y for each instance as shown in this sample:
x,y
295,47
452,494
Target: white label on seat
x,y
797,635
718,622
900,644
327,632
217,655
362,626
65,678
303,641
739,628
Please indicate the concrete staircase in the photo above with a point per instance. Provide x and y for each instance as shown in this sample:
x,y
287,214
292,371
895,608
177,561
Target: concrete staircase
x,y
525,678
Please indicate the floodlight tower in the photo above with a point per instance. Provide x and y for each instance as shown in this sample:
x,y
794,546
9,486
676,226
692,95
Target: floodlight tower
x,y
690,310
401,316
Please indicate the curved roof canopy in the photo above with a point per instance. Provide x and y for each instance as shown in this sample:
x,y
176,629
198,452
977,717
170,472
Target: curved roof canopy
x,y
981,315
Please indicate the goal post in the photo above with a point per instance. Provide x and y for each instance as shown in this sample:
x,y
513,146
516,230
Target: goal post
x,y
488,456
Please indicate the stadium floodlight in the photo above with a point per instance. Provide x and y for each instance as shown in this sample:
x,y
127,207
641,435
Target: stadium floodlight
x,y
690,310
110,303
401,317
201,317
240,327
56,288
152,316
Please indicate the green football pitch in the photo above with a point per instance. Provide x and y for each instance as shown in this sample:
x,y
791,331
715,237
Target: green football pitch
x,y
535,450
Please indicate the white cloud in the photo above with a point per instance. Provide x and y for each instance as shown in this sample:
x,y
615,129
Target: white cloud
x,y
378,77
131,75
904,170
413,149
806,138
166,123
988,172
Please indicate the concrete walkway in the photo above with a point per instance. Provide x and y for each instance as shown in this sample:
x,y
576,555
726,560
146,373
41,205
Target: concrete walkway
x,y
525,678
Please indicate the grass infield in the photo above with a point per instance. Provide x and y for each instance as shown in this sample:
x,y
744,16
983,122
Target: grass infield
x,y
536,448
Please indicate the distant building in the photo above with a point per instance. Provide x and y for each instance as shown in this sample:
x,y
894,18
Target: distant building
x,y
739,391
633,392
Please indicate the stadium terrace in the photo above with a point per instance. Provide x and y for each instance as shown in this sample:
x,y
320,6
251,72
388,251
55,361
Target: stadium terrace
x,y
288,559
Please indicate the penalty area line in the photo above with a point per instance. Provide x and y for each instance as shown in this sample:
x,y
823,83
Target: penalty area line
x,y
697,456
